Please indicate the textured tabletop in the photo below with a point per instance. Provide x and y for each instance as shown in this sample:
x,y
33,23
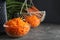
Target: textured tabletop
x,y
43,32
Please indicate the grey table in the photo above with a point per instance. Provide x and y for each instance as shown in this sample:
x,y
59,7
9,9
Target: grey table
x,y
43,32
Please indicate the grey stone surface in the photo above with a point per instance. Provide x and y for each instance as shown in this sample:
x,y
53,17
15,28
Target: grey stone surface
x,y
43,32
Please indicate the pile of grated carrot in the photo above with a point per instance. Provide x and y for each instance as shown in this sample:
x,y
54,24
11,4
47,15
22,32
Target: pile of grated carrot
x,y
17,27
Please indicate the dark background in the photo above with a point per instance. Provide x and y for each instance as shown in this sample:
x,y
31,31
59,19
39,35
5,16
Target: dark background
x,y
52,8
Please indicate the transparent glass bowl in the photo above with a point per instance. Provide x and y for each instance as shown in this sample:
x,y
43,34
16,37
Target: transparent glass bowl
x,y
41,14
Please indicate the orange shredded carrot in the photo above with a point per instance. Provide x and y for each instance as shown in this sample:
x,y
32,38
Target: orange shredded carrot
x,y
35,11
33,20
17,27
